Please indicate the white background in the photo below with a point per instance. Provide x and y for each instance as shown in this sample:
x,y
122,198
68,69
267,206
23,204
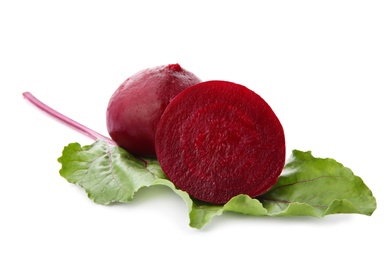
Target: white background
x,y
323,66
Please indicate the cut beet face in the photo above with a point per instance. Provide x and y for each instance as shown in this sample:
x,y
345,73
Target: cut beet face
x,y
218,139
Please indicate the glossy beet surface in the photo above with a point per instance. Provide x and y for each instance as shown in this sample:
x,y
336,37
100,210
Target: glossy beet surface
x,y
135,108
218,139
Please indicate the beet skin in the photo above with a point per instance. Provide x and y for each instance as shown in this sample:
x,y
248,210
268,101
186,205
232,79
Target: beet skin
x,y
135,108
218,139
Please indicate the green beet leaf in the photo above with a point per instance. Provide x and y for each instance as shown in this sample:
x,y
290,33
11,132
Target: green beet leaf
x,y
308,186
107,172
317,187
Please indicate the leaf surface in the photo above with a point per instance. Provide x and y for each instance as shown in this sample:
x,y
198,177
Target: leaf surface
x,y
107,172
322,186
308,186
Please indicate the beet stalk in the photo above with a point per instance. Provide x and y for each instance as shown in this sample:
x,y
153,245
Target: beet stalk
x,y
66,120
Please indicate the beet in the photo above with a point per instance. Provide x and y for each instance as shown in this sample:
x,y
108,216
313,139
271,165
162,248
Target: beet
x,y
135,108
218,139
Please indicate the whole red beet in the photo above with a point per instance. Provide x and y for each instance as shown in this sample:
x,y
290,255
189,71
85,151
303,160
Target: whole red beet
x,y
135,108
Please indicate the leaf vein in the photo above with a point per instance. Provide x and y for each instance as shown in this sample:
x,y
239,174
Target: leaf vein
x,y
112,167
303,181
289,202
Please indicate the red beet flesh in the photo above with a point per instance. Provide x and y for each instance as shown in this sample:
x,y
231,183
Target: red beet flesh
x,y
218,139
135,108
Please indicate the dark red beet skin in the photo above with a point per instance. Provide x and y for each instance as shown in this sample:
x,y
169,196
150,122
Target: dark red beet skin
x,y
135,108
218,139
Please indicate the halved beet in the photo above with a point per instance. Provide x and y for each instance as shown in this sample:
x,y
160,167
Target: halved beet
x,y
218,139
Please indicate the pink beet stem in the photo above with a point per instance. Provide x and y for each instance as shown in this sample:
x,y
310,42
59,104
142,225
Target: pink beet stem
x,y
66,120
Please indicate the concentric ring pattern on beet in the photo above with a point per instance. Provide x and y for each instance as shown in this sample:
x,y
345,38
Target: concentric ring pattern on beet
x,y
218,139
